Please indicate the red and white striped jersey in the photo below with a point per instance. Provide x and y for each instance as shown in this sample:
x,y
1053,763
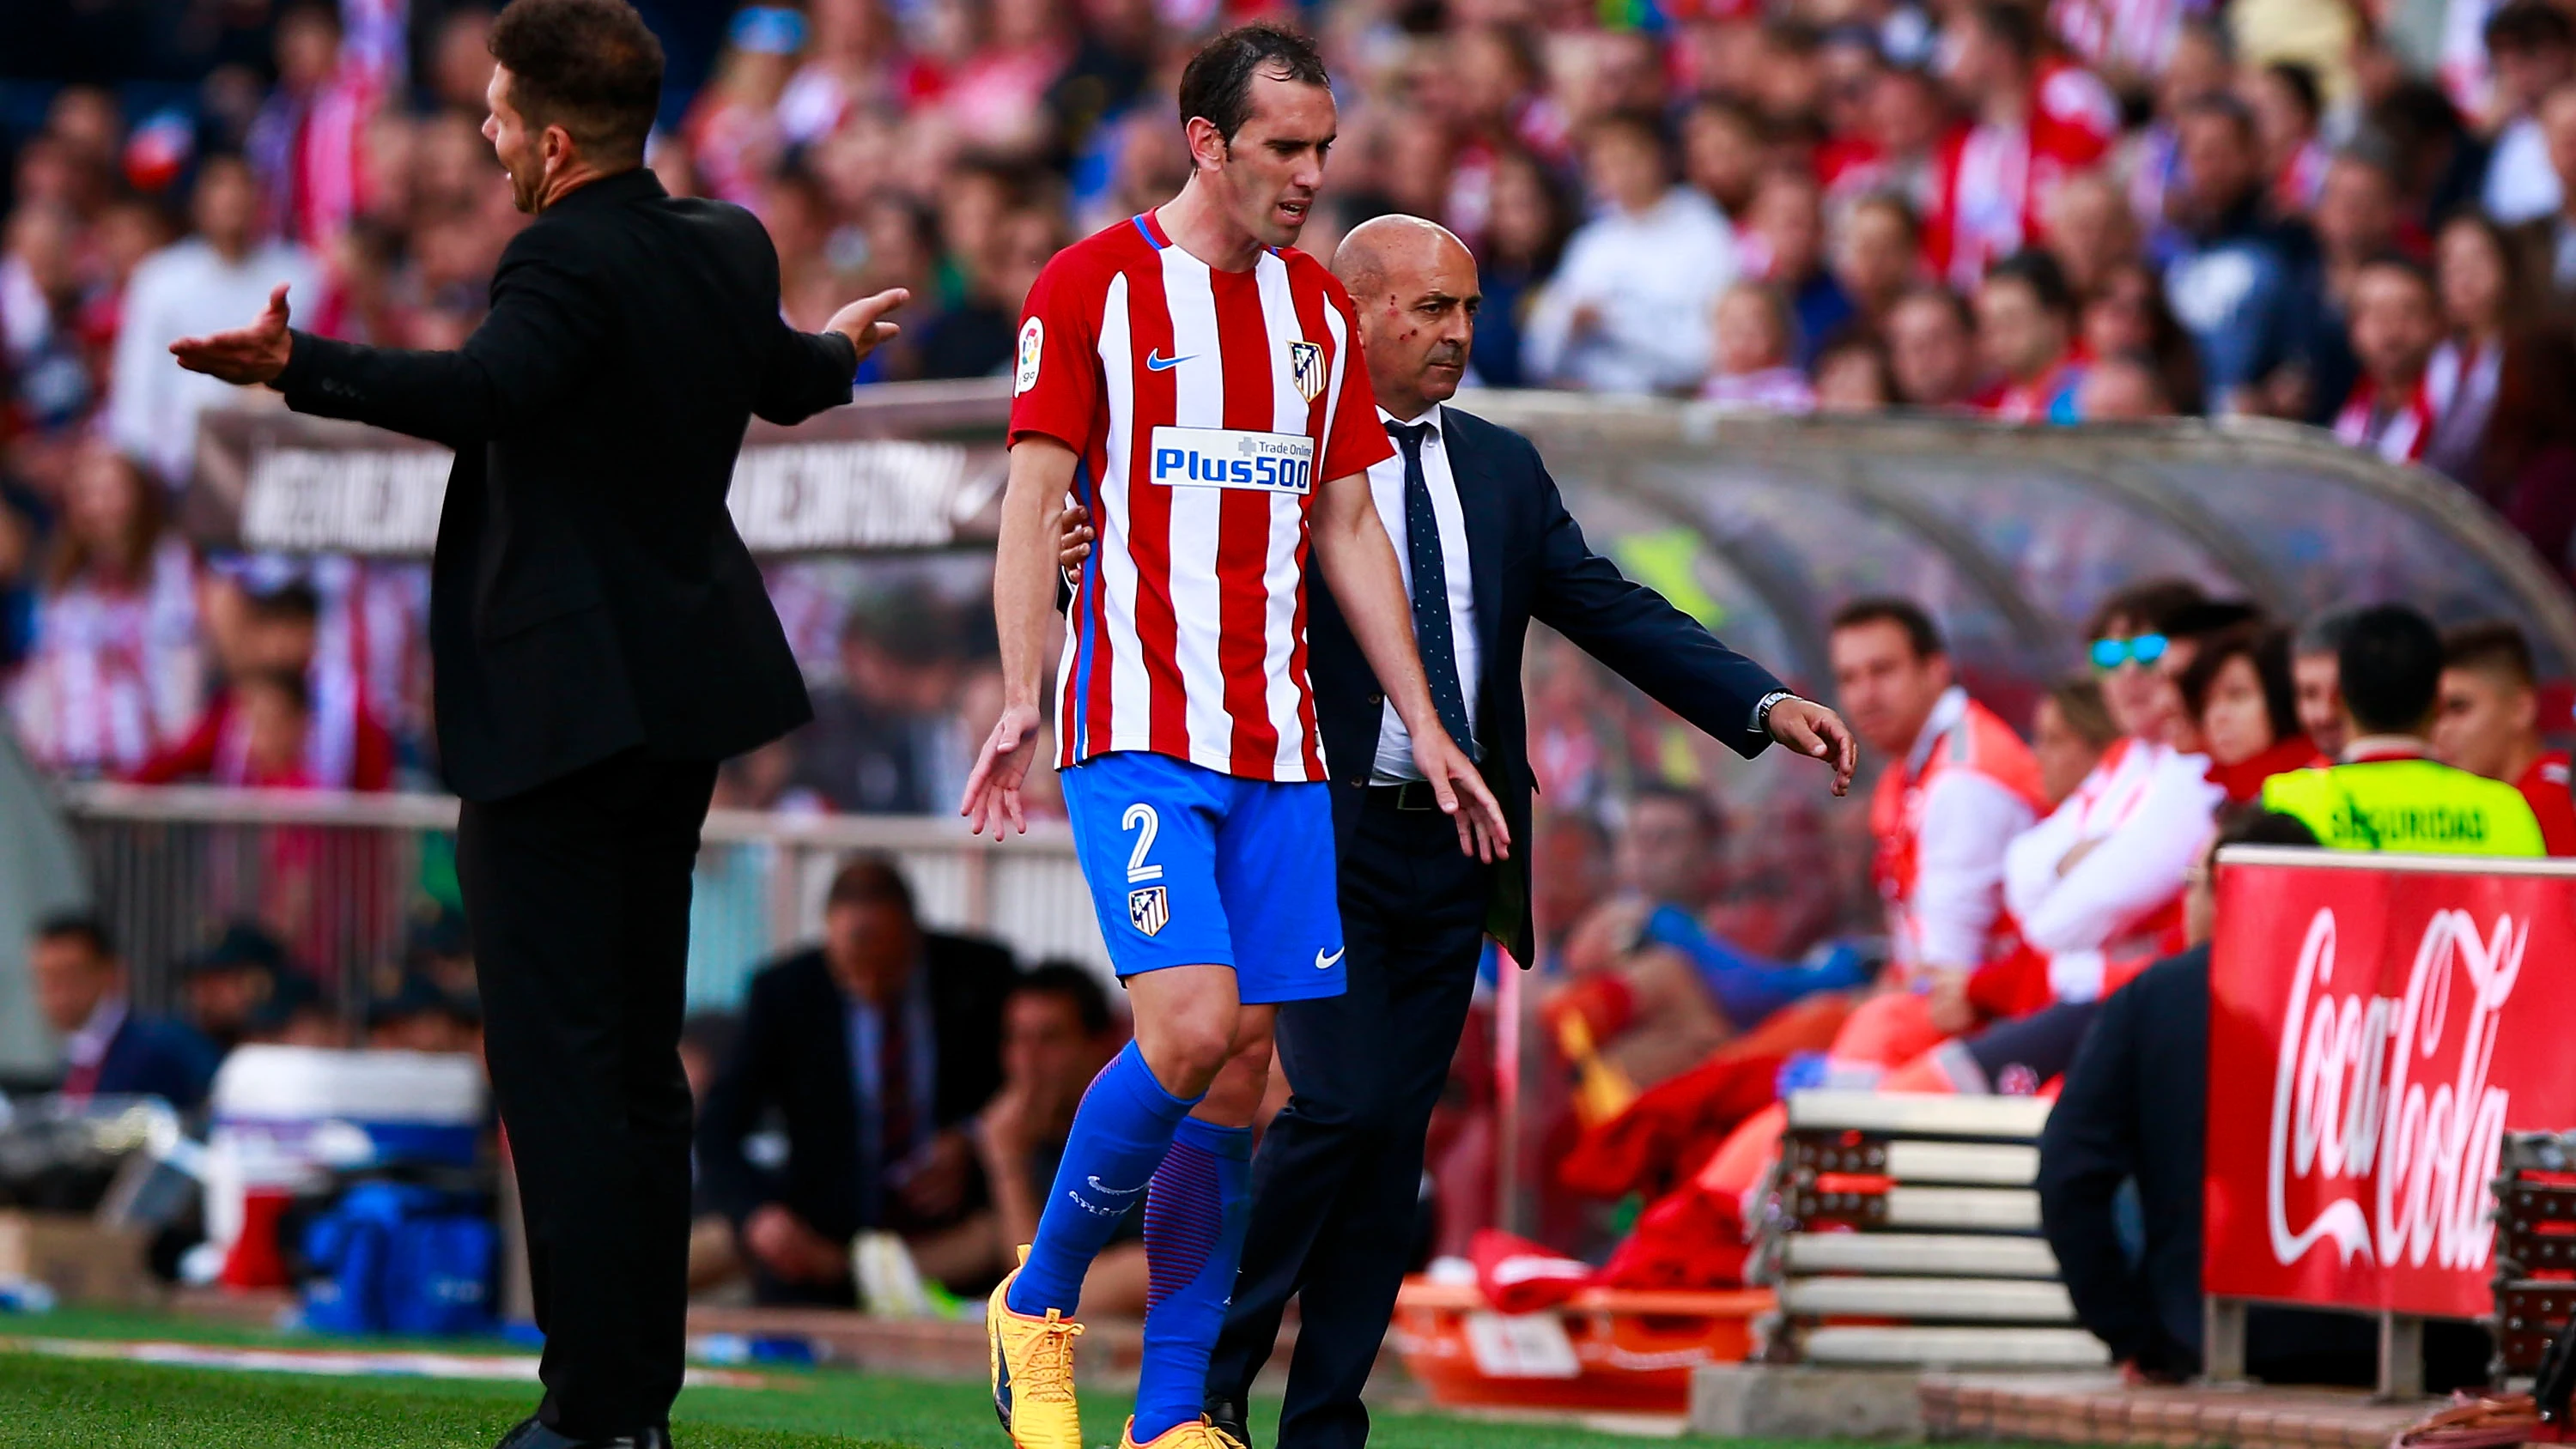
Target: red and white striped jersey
x,y
1205,407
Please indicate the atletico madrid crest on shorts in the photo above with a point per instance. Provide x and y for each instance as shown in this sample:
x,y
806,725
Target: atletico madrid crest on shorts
x,y
1306,369
1149,910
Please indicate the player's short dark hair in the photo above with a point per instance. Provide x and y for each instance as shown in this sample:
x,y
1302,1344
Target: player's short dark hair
x,y
2040,272
2491,646
2391,663
1072,985
590,66
1216,86
871,880
81,926
1905,614
2151,605
2529,25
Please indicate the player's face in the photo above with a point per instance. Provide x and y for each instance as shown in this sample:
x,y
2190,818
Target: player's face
x,y
1885,689
2480,720
1269,174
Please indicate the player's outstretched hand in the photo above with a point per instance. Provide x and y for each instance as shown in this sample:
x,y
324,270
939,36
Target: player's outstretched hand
x,y
993,791
1463,797
863,321
245,355
1811,729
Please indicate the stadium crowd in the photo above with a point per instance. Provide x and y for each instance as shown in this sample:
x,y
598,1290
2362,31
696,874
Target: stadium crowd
x,y
2358,216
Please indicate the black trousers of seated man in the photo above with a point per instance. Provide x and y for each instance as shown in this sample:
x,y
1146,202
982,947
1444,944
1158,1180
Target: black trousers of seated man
x,y
577,900
1337,1181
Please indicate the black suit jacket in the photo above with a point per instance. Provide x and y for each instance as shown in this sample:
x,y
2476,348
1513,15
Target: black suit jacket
x,y
1530,562
589,593
793,1059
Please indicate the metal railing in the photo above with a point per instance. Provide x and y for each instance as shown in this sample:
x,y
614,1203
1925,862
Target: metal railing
x,y
341,877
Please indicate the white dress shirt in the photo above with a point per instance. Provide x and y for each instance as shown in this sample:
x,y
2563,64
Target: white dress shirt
x,y
1386,490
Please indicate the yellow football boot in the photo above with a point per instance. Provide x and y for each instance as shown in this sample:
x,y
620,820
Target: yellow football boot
x,y
1033,1372
1196,1434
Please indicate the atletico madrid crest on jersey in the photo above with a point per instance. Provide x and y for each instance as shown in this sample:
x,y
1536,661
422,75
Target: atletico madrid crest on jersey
x,y
1149,910
1306,369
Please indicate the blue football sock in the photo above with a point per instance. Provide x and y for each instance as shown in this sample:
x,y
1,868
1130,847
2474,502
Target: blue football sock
x,y
1195,1217
1120,1133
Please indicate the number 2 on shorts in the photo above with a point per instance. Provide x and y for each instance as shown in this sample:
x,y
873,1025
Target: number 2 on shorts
x,y
1140,817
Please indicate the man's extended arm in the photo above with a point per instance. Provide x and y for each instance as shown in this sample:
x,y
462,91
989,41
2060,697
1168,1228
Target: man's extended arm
x,y
1665,652
1358,564
1024,582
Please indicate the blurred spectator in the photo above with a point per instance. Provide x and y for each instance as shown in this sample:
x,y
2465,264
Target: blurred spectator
x,y
116,667
2531,47
2288,110
2387,793
2474,274
2396,324
254,736
2120,388
870,746
1786,245
1627,309
110,1049
2090,232
1057,1033
975,338
209,282
2238,688
1932,349
2128,317
2315,670
1958,785
2025,325
873,1052
2070,730
306,145
2547,242
1756,338
2235,276
2489,724
2527,460
1524,237
437,949
1877,256
2095,884
1852,376
230,986
2038,121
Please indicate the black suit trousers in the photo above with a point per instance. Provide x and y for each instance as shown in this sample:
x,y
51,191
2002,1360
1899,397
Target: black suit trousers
x,y
577,897
1337,1181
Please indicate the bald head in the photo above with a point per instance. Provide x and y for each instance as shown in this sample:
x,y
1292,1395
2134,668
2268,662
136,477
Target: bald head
x,y
1413,284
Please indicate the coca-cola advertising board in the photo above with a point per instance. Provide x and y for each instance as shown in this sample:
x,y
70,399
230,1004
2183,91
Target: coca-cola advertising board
x,y
2375,1024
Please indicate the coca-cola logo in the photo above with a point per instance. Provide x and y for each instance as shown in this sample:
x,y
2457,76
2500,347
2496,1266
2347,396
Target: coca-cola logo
x,y
2399,1157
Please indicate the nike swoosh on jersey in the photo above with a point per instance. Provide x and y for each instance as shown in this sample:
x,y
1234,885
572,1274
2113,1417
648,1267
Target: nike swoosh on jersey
x,y
1154,362
1324,962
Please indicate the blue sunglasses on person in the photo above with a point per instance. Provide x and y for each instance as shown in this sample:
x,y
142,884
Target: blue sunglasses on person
x,y
2141,649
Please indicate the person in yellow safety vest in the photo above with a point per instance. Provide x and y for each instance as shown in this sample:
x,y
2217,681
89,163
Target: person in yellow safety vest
x,y
2386,794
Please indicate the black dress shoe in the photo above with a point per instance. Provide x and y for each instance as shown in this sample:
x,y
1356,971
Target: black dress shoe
x,y
529,1434
1231,1419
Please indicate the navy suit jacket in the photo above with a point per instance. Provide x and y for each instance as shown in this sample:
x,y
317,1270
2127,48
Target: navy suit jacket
x,y
1530,562
155,1057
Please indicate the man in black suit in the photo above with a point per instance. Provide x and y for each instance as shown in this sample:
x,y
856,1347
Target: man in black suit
x,y
874,1051
601,639
1486,546
109,1048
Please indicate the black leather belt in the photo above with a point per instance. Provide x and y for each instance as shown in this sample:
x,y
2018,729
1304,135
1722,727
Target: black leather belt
x,y
1411,795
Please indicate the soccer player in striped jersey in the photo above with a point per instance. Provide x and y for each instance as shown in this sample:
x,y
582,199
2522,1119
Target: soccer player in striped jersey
x,y
1194,382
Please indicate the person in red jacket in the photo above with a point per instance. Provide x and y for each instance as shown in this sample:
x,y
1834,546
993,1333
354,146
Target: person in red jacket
x,y
2038,122
2488,723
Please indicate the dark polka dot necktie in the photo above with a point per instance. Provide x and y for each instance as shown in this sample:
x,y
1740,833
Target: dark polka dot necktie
x,y
1431,636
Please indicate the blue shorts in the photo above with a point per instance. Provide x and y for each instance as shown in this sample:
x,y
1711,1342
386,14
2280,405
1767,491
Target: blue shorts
x,y
1189,867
